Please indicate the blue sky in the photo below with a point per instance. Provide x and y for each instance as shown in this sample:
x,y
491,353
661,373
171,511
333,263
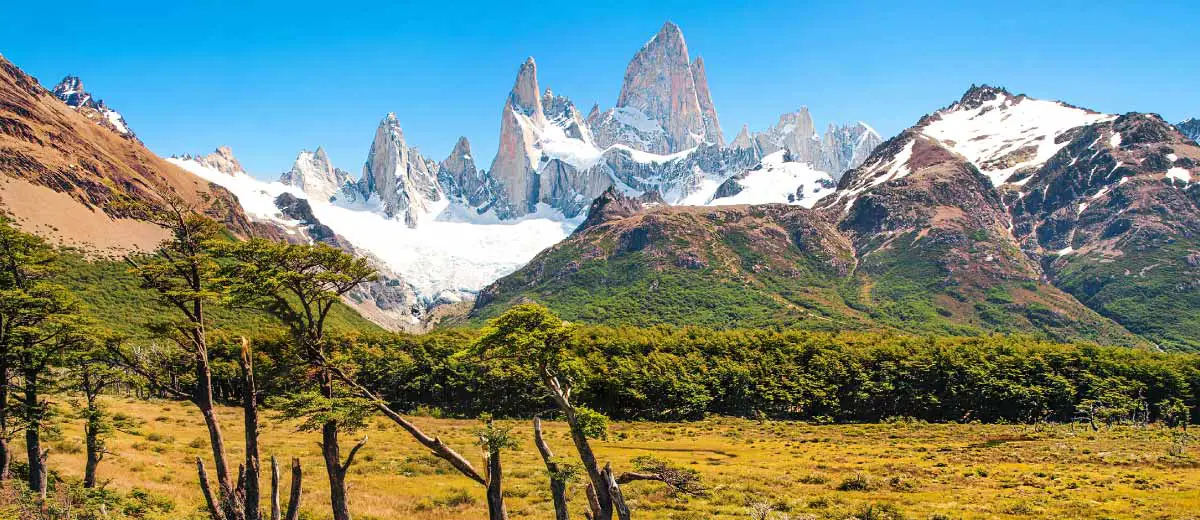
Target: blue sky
x,y
272,79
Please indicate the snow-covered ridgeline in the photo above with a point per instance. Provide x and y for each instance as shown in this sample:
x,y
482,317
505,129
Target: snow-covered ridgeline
x,y
454,251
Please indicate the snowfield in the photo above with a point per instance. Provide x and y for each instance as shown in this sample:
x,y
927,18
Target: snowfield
x,y
777,180
1005,125
454,251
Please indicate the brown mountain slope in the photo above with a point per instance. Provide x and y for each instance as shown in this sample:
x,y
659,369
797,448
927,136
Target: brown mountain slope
x,y
45,143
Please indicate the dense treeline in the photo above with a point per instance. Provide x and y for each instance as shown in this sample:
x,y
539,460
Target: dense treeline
x,y
679,374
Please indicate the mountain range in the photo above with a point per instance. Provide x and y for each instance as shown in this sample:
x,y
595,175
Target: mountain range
x,y
998,212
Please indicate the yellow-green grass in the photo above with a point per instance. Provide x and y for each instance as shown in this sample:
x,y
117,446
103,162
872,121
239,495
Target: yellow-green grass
x,y
920,470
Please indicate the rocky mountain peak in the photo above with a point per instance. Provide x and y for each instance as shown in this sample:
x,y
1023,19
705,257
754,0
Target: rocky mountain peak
x,y
977,95
1190,128
743,141
222,160
712,125
313,173
660,86
524,95
70,90
404,182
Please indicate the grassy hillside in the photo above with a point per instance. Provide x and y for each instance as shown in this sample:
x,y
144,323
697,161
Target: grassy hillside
x,y
1142,288
898,470
113,295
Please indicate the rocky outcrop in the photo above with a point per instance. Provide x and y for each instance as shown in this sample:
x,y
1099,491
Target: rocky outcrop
x,y
221,159
70,90
744,141
314,174
660,85
1190,128
462,181
404,183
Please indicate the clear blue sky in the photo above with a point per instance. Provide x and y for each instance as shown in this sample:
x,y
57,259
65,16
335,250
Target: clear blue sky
x,y
270,80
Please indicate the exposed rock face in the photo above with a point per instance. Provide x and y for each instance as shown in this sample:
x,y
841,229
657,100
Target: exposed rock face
x,y
1190,128
70,90
660,85
712,126
404,182
846,147
462,181
665,105
744,141
515,165
315,175
221,159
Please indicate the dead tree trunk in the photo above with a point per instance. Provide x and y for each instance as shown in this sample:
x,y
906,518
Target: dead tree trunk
x,y
252,488
600,486
614,491
558,482
214,507
495,488
274,489
293,510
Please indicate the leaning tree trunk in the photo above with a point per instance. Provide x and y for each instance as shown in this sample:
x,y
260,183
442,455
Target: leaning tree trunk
x,y
203,398
558,484
91,432
600,486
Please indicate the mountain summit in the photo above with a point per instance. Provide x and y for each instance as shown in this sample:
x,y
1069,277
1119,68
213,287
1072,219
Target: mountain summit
x,y
70,90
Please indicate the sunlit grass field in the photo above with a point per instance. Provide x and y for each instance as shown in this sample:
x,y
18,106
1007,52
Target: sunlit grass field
x,y
898,470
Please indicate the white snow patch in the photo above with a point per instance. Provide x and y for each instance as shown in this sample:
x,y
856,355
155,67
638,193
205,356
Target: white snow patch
x,y
1002,126
1179,173
1065,251
777,180
635,119
1115,140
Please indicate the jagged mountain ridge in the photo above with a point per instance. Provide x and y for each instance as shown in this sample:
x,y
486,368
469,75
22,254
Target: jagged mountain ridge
x,y
948,228
70,90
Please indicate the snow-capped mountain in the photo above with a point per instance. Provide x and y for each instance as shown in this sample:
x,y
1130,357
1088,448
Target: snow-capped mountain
x,y
70,90
441,260
398,179
841,148
1007,137
315,175
1190,128
447,229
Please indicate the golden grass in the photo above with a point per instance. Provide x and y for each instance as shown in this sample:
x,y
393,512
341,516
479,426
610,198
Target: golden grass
x,y
920,470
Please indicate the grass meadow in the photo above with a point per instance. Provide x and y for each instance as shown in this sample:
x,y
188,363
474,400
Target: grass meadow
x,y
795,470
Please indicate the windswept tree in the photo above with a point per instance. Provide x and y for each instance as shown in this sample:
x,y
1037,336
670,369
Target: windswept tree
x,y
300,285
532,335
183,272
